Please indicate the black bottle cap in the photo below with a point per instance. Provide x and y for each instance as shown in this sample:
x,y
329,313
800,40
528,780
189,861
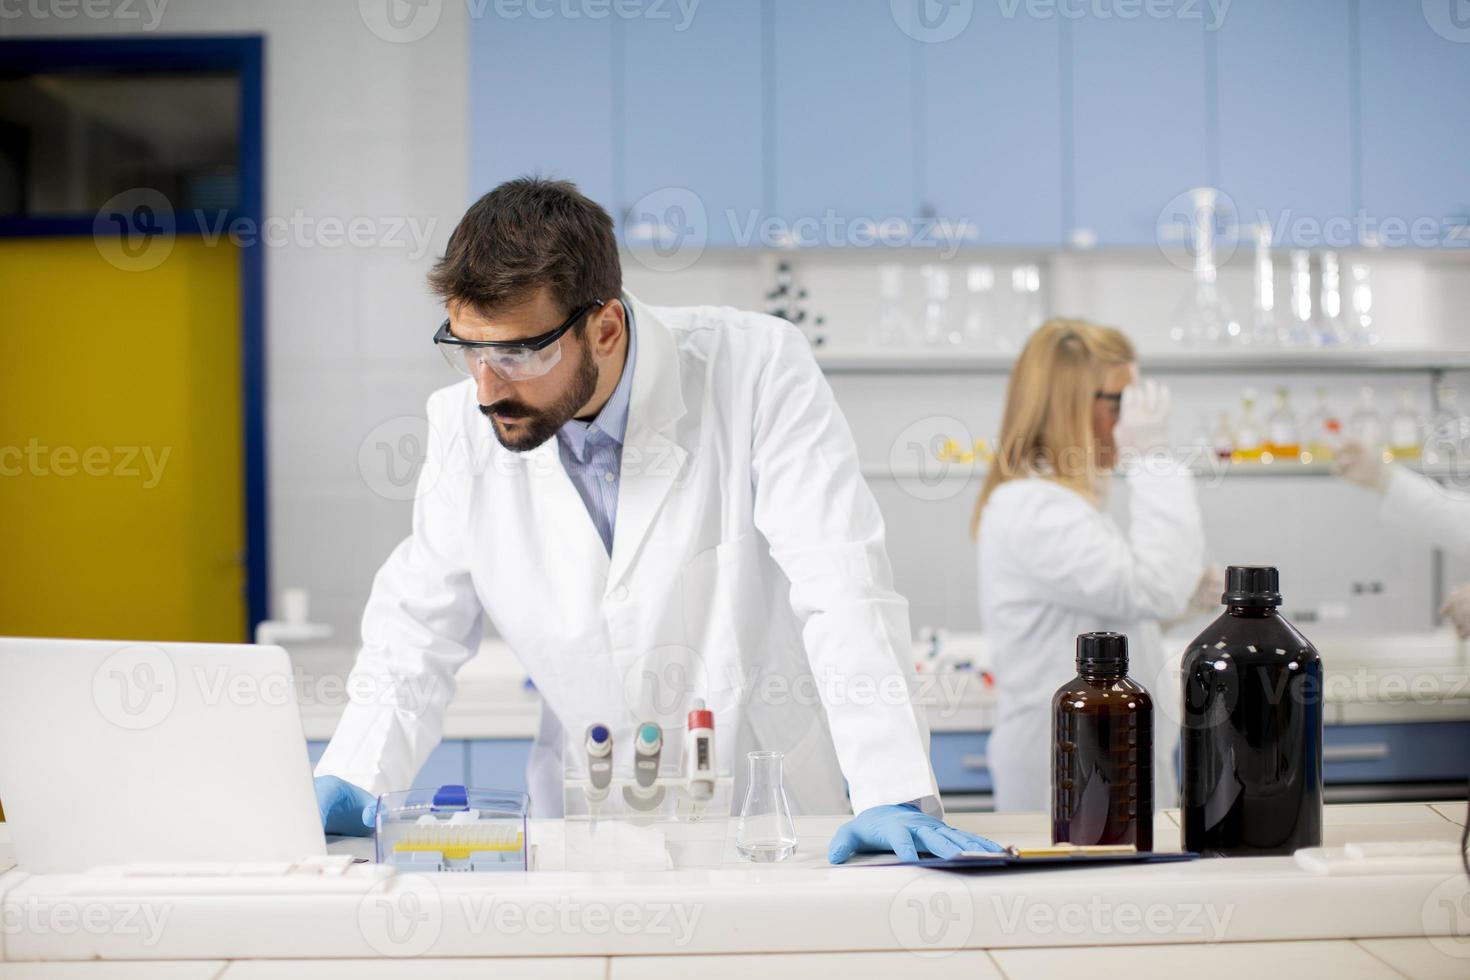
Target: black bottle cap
x,y
1102,653
1252,585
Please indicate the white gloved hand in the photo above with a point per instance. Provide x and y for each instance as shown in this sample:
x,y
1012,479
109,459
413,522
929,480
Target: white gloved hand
x,y
1457,610
1211,587
1362,465
1143,420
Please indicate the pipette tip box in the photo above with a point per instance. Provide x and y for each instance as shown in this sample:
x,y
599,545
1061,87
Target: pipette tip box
x,y
453,828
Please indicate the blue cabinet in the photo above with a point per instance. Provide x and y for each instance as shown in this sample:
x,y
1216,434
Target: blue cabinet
x,y
1431,751
843,150
1140,129
499,763
1285,117
692,118
542,100
959,762
991,114
1415,138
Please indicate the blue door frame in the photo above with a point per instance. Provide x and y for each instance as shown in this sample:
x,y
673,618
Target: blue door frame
x,y
244,56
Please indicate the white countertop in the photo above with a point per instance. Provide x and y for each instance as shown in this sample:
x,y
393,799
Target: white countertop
x,y
801,906
1368,680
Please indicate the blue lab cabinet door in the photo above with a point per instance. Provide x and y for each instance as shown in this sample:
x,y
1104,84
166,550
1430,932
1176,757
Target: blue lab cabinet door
x,y
542,99
499,763
693,92
1139,121
1415,88
843,130
1285,115
991,120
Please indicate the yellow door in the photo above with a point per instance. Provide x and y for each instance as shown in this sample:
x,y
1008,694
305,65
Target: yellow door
x,y
121,471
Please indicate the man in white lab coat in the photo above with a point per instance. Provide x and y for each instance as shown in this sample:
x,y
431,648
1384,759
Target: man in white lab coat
x,y
652,507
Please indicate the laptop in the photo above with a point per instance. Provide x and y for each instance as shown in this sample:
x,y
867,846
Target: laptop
x,y
122,752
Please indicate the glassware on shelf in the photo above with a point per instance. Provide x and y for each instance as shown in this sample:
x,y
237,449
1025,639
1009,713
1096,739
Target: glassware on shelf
x,y
1203,317
1406,429
1250,439
766,832
1300,328
1026,310
1330,331
1360,329
1202,442
1322,431
939,329
1223,438
895,327
979,306
1283,438
1365,424
1266,326
1449,430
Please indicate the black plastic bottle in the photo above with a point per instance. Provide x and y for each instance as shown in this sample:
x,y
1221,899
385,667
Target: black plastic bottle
x,y
1252,738
1102,769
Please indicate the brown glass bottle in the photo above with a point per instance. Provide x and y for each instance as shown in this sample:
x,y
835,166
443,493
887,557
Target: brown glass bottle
x,y
1102,770
1252,728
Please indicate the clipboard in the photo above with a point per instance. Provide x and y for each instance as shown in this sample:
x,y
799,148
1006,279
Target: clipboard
x,y
1039,859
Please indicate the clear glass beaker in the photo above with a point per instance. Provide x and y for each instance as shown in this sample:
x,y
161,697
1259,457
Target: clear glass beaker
x,y
767,832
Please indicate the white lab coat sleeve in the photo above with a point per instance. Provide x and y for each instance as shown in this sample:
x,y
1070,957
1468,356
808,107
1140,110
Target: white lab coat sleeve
x,y
1077,560
825,531
1427,511
421,623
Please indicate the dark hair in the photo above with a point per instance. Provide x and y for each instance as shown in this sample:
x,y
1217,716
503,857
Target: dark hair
x,y
527,233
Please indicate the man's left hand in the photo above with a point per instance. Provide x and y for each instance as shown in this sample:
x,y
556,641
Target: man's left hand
x,y
905,830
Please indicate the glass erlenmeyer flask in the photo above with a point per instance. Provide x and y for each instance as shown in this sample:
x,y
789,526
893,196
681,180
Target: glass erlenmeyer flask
x,y
1203,317
766,831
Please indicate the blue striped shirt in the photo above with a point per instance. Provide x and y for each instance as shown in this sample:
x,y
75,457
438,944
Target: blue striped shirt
x,y
592,452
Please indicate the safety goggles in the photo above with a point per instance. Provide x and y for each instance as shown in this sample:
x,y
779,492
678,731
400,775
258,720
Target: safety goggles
x,y
511,360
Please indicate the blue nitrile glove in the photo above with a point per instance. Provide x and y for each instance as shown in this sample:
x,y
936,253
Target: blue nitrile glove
x,y
905,830
347,810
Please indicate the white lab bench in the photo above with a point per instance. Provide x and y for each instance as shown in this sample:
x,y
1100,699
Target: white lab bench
x,y
1265,916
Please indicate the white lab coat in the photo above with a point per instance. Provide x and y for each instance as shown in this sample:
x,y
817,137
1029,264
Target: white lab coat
x,y
1053,565
748,569
1427,511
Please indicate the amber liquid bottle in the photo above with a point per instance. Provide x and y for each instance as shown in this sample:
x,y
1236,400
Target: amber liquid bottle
x,y
1102,770
1252,728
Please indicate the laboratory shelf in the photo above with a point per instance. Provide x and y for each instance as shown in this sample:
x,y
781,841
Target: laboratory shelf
x,y
1164,362
945,472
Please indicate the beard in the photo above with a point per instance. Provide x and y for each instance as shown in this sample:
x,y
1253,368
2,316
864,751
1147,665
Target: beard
x,y
534,426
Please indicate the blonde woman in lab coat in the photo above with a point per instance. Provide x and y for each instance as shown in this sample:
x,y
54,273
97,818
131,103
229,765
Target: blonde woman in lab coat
x,y
1054,564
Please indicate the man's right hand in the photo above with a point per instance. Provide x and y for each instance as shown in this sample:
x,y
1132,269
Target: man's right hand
x,y
347,810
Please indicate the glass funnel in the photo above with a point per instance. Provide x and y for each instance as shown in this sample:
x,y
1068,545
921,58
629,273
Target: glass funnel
x,y
767,832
